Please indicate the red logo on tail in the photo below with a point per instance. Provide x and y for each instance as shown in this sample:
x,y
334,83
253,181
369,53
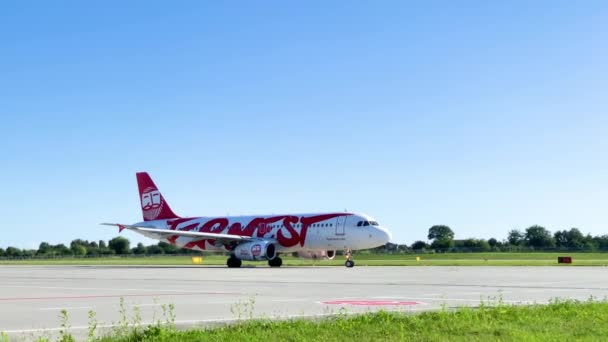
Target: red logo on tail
x,y
151,203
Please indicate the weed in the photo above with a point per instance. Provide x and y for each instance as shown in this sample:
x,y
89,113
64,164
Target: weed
x,y
243,309
64,334
123,320
92,325
136,318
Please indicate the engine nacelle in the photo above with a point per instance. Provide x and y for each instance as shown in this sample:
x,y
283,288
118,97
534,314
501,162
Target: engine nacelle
x,y
253,251
316,255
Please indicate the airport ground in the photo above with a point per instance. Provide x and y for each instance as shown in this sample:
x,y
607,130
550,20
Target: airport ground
x,y
361,259
31,297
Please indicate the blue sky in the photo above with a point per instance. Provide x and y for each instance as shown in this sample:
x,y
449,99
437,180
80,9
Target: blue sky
x,y
481,115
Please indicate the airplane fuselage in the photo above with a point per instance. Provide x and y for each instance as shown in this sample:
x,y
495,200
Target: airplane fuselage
x,y
290,232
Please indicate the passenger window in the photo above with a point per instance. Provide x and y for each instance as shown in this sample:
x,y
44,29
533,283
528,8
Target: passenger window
x,y
366,223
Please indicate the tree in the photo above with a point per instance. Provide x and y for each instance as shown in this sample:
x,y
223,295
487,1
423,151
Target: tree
x,y
516,237
79,250
79,242
155,249
28,253
561,238
479,245
442,237
402,248
601,242
44,249
61,249
440,232
576,238
590,243
13,252
2,252
538,236
168,248
93,250
492,242
418,245
103,248
120,245
140,249
79,247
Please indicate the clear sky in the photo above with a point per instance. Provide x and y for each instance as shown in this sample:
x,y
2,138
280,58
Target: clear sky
x,y
482,115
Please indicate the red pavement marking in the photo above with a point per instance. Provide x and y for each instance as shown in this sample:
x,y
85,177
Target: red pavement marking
x,y
10,299
370,302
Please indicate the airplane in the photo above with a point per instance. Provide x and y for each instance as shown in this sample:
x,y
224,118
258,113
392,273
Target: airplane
x,y
256,238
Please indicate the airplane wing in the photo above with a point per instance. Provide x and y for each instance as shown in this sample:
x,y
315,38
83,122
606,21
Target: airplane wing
x,y
168,232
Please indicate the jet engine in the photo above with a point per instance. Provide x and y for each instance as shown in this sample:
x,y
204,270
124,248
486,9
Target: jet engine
x,y
257,250
316,255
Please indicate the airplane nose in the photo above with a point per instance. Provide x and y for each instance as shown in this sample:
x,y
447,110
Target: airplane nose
x,y
384,235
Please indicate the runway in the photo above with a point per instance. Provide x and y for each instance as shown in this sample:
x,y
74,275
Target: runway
x,y
31,297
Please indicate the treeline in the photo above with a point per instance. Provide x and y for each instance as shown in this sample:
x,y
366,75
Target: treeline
x,y
534,238
84,248
440,240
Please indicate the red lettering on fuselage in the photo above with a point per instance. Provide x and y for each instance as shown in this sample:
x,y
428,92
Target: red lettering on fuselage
x,y
173,226
287,234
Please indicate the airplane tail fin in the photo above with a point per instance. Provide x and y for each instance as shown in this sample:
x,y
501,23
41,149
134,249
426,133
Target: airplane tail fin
x,y
153,204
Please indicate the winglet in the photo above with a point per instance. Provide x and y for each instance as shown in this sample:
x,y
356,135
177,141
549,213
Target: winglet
x,y
120,228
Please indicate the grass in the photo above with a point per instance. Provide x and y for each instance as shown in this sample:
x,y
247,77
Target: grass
x,y
558,321
361,259
565,321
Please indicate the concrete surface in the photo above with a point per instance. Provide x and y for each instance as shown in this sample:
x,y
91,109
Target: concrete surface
x,y
31,297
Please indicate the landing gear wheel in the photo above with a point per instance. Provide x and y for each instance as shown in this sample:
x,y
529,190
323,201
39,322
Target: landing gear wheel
x,y
349,259
233,262
276,262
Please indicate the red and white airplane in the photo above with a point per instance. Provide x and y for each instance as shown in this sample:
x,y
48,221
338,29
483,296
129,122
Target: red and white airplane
x,y
256,238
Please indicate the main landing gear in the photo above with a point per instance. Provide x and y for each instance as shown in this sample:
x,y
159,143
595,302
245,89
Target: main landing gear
x,y
233,262
276,262
349,259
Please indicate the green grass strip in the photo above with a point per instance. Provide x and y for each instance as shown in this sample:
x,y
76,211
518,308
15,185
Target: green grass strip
x,y
559,321
445,259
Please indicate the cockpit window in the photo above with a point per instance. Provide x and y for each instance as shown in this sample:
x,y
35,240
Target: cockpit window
x,y
366,223
374,223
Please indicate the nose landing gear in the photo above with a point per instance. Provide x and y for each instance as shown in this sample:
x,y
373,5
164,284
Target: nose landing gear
x,y
349,259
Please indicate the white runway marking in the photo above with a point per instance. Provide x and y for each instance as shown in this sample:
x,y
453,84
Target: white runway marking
x,y
97,288
292,300
471,300
66,308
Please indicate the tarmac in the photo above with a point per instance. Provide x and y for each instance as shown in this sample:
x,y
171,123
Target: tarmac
x,y
31,297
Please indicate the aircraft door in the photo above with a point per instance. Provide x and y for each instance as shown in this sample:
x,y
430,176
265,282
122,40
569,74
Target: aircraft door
x,y
340,225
